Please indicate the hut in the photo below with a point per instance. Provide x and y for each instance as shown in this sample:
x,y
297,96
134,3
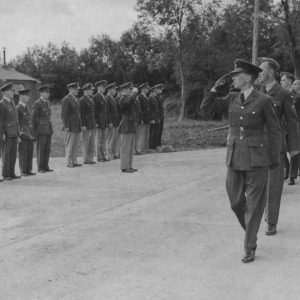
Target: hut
x,y
20,81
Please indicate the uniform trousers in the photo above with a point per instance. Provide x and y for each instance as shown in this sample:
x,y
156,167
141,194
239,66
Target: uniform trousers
x,y
275,188
294,166
247,192
117,142
127,149
25,156
139,138
160,129
111,141
145,135
88,145
9,156
43,147
153,135
101,143
72,140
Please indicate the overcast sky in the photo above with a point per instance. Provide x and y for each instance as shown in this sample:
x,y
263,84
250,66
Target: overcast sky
x,y
25,23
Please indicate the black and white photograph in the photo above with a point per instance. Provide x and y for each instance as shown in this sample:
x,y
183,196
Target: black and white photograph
x,y
149,149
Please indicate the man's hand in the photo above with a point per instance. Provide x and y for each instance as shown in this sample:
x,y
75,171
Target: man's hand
x,y
222,83
135,90
97,126
83,128
110,125
67,129
19,140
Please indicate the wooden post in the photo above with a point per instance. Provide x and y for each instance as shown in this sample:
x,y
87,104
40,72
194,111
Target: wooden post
x,y
255,31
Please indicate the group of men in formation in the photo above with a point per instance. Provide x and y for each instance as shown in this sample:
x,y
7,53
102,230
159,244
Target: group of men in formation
x,y
261,114
115,121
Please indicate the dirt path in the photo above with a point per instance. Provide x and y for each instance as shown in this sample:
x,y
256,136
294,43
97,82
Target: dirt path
x,y
163,233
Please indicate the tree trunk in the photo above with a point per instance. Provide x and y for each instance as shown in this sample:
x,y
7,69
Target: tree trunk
x,y
183,92
255,32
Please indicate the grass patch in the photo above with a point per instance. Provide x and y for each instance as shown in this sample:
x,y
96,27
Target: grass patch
x,y
187,135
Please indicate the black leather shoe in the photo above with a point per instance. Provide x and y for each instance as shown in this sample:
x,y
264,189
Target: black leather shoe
x,y
1,178
77,165
24,175
127,171
7,178
249,256
271,229
31,173
15,176
71,166
49,170
292,181
134,170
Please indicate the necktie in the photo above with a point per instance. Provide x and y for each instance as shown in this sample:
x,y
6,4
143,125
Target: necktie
x,y
242,97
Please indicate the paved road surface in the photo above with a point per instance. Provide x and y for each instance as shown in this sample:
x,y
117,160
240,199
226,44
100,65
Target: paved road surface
x,y
163,233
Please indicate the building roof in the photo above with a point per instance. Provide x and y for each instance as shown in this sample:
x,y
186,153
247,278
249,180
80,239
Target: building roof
x,y
7,74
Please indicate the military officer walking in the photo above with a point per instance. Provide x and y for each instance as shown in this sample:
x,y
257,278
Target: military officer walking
x,y
284,109
87,112
25,133
127,127
42,128
295,160
113,121
101,120
248,155
70,115
145,116
9,129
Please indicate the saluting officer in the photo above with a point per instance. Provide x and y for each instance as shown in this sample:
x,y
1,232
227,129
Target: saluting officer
x,y
161,117
127,127
87,112
284,109
145,116
250,150
113,121
101,114
26,134
9,130
70,115
42,128
117,138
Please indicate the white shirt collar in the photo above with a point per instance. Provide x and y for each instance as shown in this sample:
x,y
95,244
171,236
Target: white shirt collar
x,y
270,85
247,92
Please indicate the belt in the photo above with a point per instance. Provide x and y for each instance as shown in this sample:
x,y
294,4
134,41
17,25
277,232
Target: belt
x,y
241,133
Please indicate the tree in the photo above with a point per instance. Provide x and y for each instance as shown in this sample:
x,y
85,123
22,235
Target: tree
x,y
291,10
173,17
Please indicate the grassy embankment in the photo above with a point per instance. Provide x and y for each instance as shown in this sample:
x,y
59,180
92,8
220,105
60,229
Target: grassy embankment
x,y
187,135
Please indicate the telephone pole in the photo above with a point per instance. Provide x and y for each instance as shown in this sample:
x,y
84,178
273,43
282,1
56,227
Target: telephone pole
x,y
255,31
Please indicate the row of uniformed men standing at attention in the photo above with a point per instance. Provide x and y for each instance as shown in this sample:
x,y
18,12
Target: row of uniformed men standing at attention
x,y
116,125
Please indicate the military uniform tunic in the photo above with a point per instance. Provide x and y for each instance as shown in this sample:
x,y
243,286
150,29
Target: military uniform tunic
x,y
71,118
101,117
42,129
284,109
87,111
27,138
251,150
9,127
